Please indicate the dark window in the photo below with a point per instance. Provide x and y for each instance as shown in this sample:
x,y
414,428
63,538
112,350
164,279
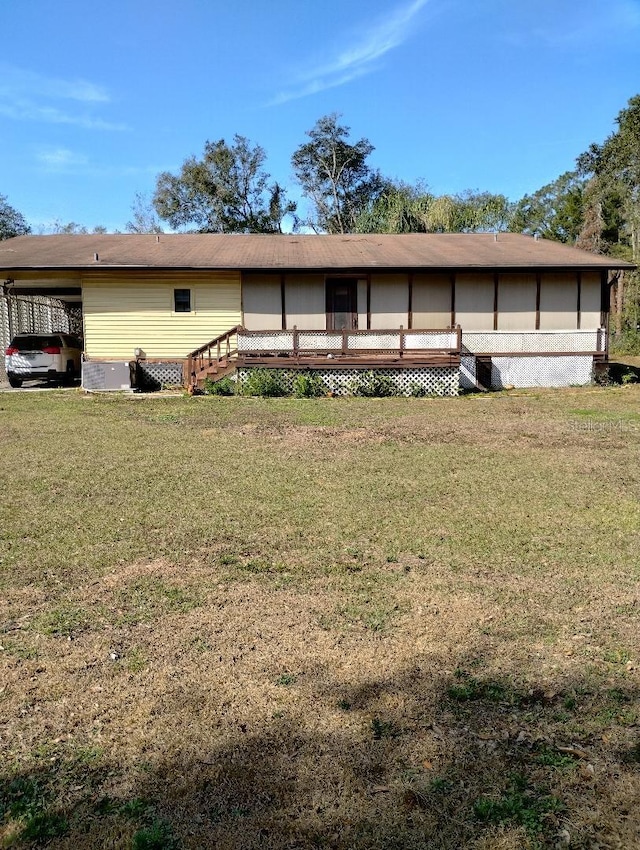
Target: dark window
x,y
342,311
31,342
182,300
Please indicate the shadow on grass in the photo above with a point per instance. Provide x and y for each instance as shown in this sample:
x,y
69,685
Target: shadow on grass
x,y
419,760
621,373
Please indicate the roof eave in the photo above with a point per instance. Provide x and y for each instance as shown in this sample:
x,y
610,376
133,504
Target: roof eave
x,y
602,265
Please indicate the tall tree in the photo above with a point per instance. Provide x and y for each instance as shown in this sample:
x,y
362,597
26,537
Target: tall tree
x,y
144,219
398,208
604,227
12,222
615,167
335,176
556,211
227,191
612,221
72,228
402,208
468,212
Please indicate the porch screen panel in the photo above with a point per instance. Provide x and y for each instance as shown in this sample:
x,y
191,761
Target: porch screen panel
x,y
389,301
362,304
431,301
474,301
559,301
261,302
590,301
305,301
517,302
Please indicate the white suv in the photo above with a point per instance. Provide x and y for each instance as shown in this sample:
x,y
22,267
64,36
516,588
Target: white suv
x,y
48,357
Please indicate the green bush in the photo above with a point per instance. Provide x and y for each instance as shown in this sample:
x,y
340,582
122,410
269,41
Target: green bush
x,y
225,386
628,342
268,383
308,385
418,391
371,385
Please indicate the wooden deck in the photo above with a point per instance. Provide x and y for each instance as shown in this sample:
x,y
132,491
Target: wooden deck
x,y
360,360
394,348
383,349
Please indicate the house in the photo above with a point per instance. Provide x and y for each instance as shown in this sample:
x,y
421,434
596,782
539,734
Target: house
x,y
431,311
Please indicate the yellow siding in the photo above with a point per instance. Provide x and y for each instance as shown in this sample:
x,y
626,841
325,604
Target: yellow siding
x,y
121,315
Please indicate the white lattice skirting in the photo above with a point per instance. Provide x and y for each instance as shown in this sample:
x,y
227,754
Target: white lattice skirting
x,y
468,372
538,369
541,371
428,380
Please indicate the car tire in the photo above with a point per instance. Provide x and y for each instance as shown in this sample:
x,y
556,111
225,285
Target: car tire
x,y
14,382
70,374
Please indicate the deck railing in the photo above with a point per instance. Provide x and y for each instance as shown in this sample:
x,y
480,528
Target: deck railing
x,y
223,347
240,344
535,342
399,341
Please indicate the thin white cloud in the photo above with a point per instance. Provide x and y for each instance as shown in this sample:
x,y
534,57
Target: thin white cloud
x,y
15,81
60,159
29,96
357,60
24,110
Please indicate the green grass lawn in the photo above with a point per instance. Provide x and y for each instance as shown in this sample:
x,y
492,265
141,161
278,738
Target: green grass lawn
x,y
336,623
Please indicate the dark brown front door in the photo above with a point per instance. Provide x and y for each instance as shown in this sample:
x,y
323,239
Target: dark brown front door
x,y
342,306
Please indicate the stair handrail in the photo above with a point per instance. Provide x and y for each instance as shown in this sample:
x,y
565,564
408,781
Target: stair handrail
x,y
197,357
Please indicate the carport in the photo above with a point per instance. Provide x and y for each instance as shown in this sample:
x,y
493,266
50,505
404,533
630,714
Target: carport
x,y
32,305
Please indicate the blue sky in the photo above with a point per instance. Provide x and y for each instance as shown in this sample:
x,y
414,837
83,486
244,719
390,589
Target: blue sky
x,y
501,95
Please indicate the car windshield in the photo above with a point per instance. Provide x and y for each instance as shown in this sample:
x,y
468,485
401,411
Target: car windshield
x,y
34,342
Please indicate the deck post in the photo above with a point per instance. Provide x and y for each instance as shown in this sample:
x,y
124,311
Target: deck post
x,y
402,341
295,341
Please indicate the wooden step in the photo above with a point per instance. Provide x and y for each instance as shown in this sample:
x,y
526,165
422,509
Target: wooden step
x,y
217,367
215,372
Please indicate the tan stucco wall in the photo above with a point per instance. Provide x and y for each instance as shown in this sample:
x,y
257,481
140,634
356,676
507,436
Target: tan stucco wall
x,y
389,300
362,304
517,302
431,300
305,301
590,301
558,301
474,301
261,302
